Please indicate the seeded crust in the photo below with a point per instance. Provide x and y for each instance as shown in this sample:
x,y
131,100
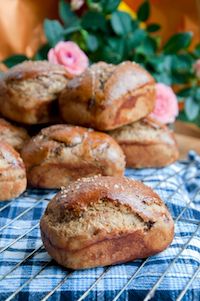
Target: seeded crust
x,y
12,173
28,91
101,221
62,153
147,143
106,96
13,135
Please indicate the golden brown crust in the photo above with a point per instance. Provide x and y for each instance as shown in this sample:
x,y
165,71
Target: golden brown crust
x,y
28,91
62,153
12,173
105,220
13,135
147,143
106,96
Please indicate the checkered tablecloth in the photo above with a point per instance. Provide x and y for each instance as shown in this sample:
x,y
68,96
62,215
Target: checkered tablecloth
x,y
177,185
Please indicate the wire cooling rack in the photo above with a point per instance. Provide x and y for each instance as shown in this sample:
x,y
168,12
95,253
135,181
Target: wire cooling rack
x,y
40,199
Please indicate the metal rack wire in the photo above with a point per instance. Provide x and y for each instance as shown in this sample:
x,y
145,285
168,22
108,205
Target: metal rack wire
x,y
149,295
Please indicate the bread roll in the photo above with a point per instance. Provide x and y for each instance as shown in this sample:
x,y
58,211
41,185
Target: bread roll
x,y
147,143
101,221
13,135
61,153
12,173
28,91
106,96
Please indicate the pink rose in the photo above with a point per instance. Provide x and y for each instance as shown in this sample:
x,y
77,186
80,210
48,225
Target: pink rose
x,y
197,68
166,106
69,55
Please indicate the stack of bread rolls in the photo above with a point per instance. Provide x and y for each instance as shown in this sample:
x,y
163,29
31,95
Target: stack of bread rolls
x,y
90,128
101,115
118,99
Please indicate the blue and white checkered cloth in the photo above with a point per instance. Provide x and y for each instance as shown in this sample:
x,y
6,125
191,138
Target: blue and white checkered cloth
x,y
178,185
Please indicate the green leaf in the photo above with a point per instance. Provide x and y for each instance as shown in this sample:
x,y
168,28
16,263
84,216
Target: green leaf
x,y
139,58
42,53
14,60
197,94
94,20
71,29
110,5
92,42
121,23
163,78
68,17
148,47
136,38
153,27
178,42
184,93
144,11
114,51
53,31
182,64
191,108
197,51
180,78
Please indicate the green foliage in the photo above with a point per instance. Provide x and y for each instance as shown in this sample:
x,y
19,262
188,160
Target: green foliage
x,y
92,20
178,42
105,33
144,11
54,31
191,97
121,23
153,27
14,60
68,17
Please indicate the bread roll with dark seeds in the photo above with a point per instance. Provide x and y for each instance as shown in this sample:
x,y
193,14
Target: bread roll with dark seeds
x,y
61,153
147,143
12,173
101,221
28,91
13,135
106,96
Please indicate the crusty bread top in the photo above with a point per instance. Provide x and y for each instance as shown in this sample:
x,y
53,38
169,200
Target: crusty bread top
x,y
53,142
9,158
28,84
144,131
106,82
73,200
13,135
31,70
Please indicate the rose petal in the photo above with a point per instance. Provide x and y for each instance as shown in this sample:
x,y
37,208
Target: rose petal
x,y
166,106
69,55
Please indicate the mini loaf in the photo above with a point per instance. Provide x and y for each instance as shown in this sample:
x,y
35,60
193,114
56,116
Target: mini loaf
x,y
28,91
106,96
61,153
101,221
13,135
146,143
12,173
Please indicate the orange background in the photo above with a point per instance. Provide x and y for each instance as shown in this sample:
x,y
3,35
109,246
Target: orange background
x,y
21,21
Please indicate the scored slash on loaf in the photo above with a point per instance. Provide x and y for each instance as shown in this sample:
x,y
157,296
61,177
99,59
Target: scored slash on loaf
x,y
62,153
100,221
106,96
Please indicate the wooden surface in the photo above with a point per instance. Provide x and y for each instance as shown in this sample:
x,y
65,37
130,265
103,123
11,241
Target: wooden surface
x,y
188,137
